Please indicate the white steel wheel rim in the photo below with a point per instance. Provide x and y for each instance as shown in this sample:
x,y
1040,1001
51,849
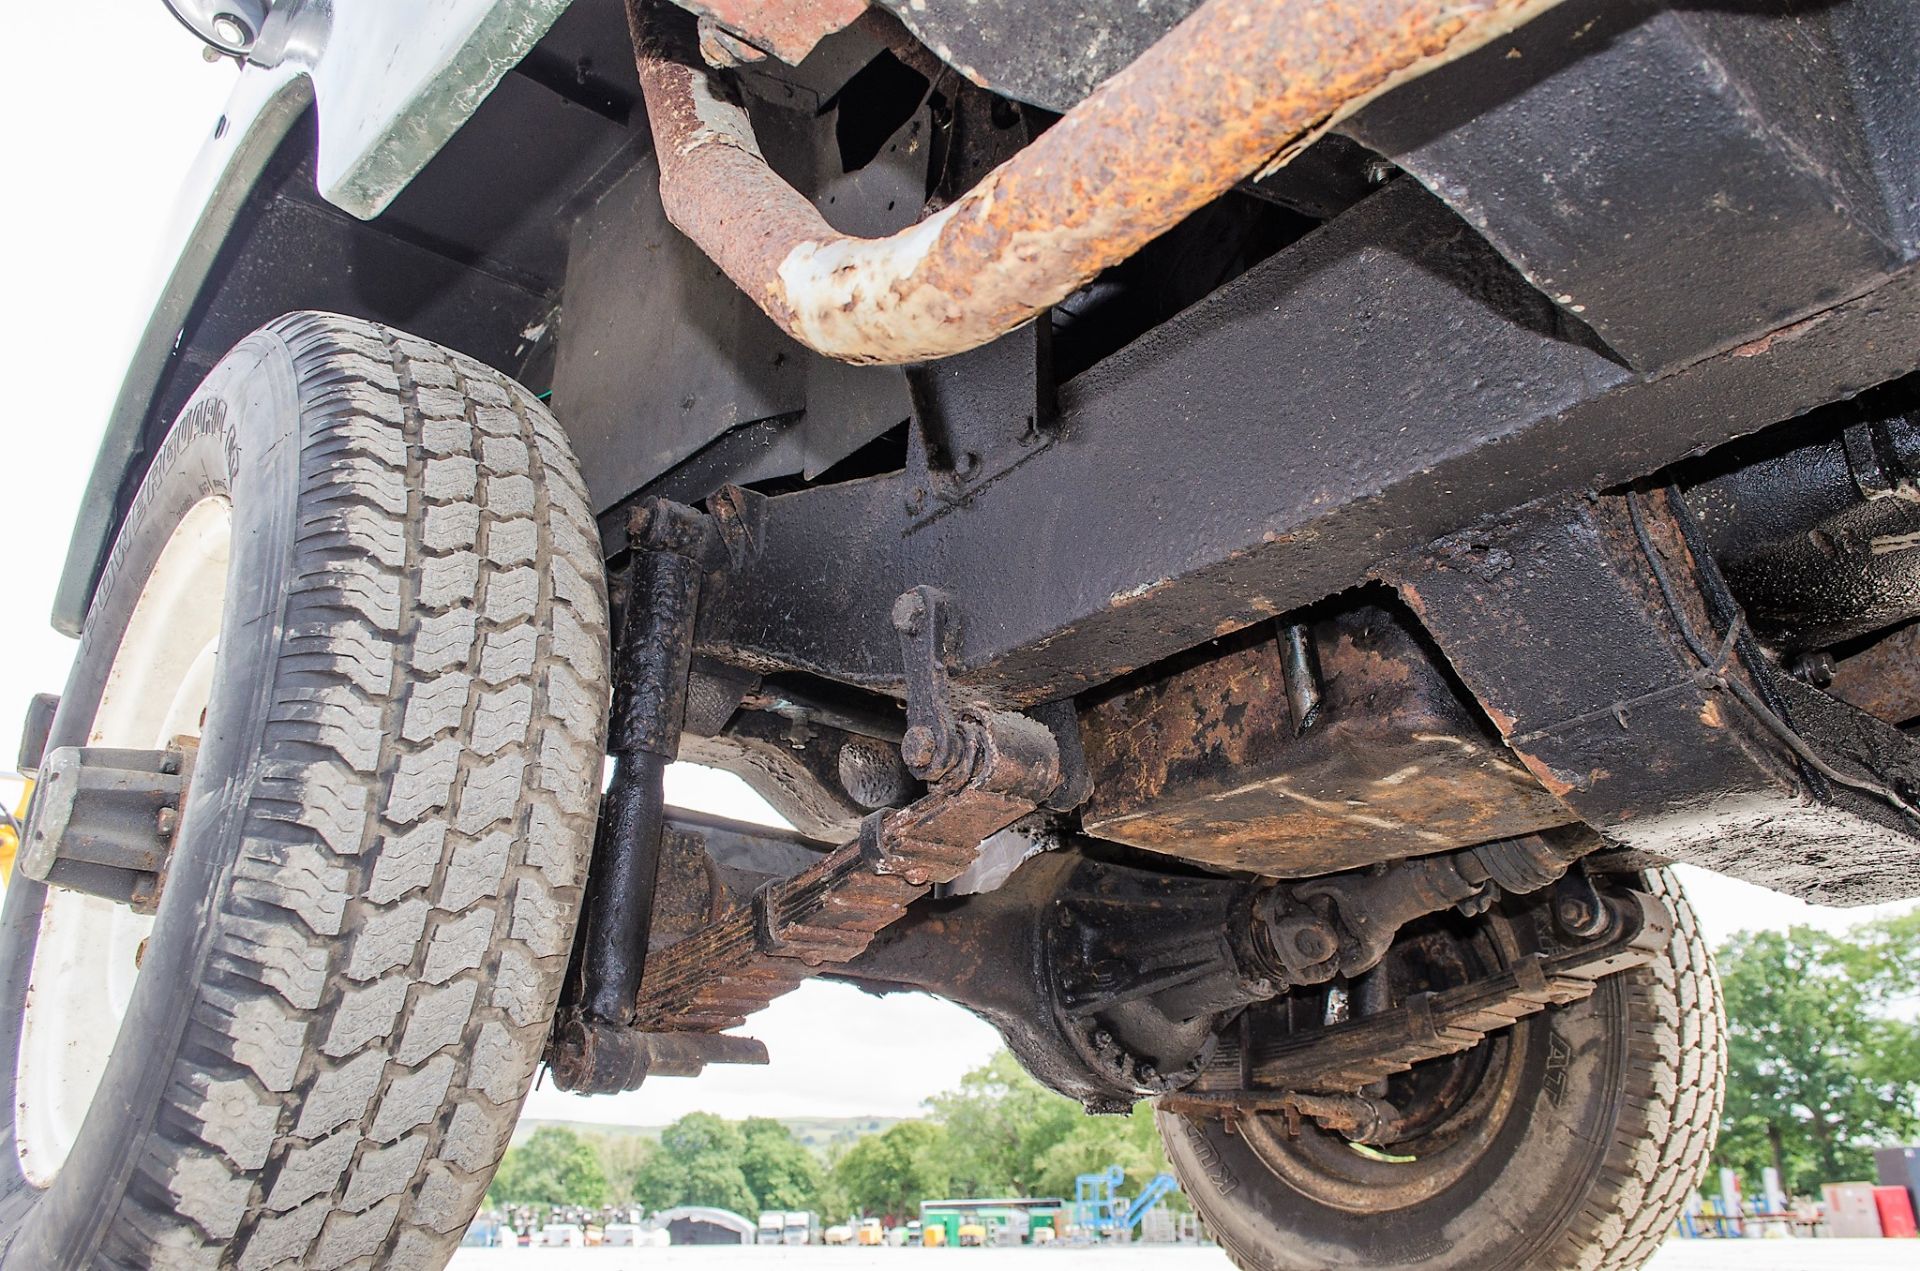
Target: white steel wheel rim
x,y
85,962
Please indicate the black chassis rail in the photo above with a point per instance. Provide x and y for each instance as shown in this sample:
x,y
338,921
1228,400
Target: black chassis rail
x,y
1587,303
1345,403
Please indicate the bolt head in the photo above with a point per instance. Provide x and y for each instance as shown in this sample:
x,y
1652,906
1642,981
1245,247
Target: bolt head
x,y
1815,668
909,611
1313,942
231,31
918,747
1578,915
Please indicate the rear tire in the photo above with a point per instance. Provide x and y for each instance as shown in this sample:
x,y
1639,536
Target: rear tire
x,y
1611,1109
369,906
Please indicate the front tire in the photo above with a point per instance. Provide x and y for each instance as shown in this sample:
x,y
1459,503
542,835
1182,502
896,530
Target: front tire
x,y
368,908
1590,1125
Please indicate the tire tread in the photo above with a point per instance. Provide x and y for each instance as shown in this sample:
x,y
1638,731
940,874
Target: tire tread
x,y
387,959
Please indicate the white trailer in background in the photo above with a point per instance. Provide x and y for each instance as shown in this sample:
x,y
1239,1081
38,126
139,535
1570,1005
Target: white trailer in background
x,y
788,1227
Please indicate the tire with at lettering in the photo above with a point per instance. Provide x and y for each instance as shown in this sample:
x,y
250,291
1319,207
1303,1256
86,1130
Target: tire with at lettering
x,y
361,584
1569,1141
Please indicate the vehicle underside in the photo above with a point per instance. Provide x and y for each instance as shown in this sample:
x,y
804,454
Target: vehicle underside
x,y
1243,537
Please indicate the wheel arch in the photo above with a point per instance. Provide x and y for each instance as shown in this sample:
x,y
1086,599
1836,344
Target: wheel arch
x,y
210,203
321,189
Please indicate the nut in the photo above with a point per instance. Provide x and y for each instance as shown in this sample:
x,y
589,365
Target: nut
x,y
918,747
1311,939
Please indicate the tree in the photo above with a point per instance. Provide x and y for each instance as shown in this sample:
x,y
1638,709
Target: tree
x,y
698,1164
1094,1143
887,1175
780,1172
1000,1133
624,1159
1000,1122
553,1167
1820,1065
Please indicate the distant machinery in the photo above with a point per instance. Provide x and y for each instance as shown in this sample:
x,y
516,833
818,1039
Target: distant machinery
x,y
1101,1213
989,1220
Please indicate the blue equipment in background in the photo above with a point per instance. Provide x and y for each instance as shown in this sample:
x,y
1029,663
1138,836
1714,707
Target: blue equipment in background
x,y
1101,1213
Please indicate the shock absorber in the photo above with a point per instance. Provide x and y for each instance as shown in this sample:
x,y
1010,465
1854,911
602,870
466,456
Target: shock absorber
x,y
673,546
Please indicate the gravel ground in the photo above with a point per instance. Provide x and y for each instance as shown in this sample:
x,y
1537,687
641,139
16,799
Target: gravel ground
x,y
1678,1255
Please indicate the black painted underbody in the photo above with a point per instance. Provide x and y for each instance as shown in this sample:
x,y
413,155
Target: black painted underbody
x,y
1634,245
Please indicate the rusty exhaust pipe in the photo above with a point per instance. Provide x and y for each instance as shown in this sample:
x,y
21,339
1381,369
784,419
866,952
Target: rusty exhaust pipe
x,y
1237,87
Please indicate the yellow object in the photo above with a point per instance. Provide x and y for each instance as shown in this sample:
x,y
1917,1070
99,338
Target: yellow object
x,y
933,1237
10,837
871,1233
973,1234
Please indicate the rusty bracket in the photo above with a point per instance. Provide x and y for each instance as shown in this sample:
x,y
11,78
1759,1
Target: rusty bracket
x,y
1361,1118
1001,767
933,743
976,416
661,525
589,1056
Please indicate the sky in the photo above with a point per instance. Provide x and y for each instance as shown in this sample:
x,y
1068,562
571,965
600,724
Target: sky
x,y
100,131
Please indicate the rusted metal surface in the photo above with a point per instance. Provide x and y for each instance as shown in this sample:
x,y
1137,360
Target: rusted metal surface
x,y
1884,678
1350,1056
1358,1118
828,913
794,766
1374,904
688,891
589,1056
788,29
1208,764
1233,89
